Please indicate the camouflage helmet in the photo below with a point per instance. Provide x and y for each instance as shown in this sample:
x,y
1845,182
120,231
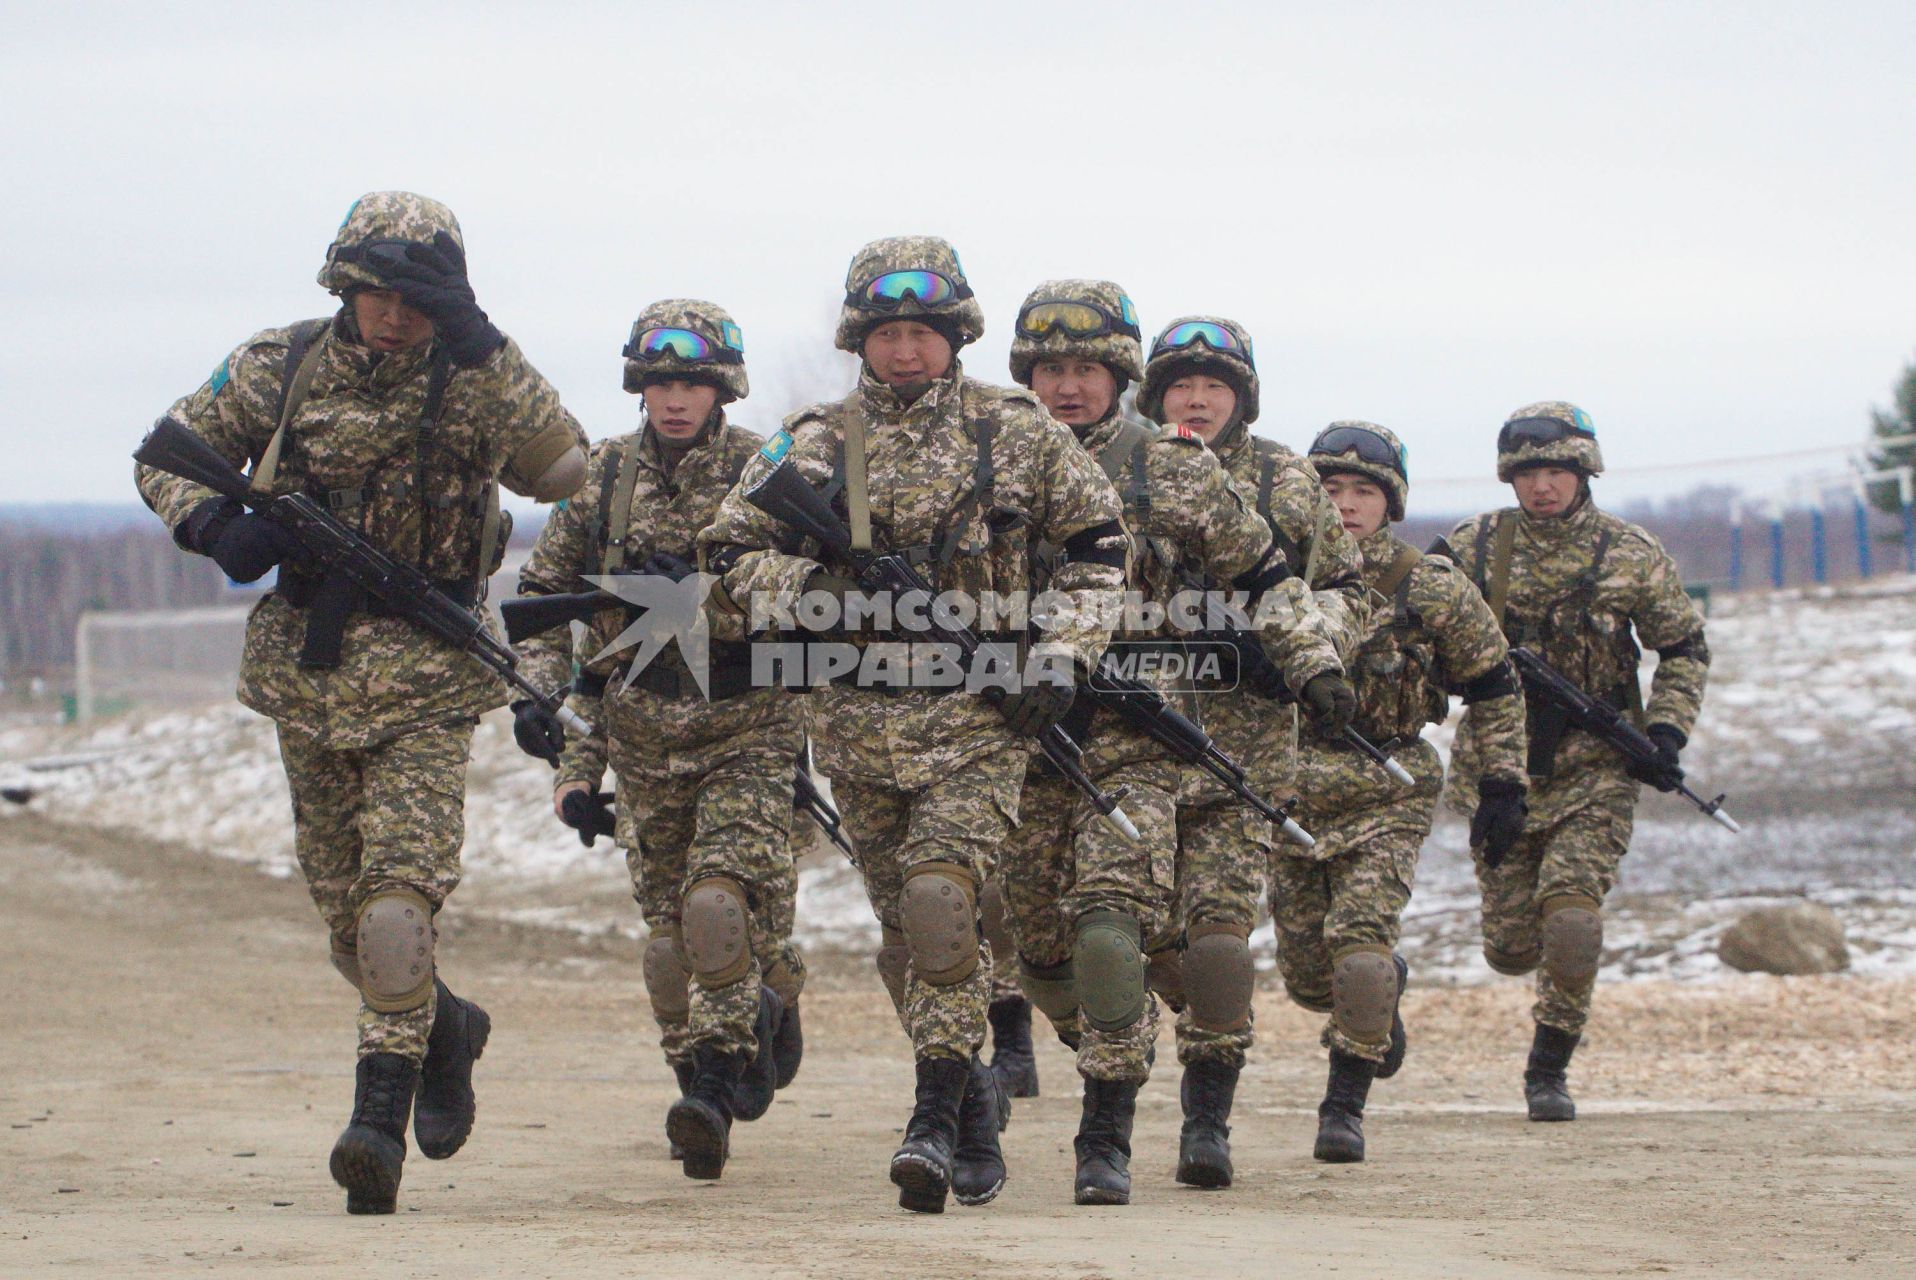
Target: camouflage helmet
x,y
1365,449
382,215
958,315
1549,433
1107,333
1204,344
690,339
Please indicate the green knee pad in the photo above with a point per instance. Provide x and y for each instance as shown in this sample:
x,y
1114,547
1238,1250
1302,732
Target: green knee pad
x,y
1110,966
1054,990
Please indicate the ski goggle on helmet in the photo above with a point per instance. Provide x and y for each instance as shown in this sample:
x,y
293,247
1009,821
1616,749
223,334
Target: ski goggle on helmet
x,y
1193,332
1366,444
1078,319
894,288
664,343
1522,431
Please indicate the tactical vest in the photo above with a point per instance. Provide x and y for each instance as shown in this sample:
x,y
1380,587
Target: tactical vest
x,y
1395,669
1126,464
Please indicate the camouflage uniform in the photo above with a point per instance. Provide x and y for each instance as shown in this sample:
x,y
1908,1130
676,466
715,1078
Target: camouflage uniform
x,y
708,783
1433,636
375,749
1576,587
1225,850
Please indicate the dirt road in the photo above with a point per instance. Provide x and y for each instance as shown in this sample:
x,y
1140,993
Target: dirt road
x,y
177,1063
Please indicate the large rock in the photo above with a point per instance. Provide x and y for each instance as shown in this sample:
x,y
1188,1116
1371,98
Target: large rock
x,y
1799,938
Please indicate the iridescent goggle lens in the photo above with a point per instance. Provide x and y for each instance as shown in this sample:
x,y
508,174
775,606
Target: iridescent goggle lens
x,y
683,344
926,288
1539,431
1367,445
1077,319
1215,336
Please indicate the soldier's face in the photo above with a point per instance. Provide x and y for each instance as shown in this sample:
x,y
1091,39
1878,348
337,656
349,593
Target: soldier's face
x,y
678,408
1362,505
906,353
1077,392
386,324
1200,402
1545,491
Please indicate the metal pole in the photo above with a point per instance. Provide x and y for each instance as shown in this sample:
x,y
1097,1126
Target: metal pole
x,y
1862,537
1906,490
1736,546
1819,549
1776,548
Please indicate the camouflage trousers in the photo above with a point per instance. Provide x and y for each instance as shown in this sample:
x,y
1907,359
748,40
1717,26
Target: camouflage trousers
x,y
1577,834
1224,856
721,809
960,821
1065,860
1349,890
388,816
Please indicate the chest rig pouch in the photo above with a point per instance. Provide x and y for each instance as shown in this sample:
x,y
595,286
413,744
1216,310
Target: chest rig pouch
x,y
1398,691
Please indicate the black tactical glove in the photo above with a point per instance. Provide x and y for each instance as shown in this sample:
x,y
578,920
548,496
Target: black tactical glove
x,y
431,279
1036,709
1663,773
205,522
1331,703
663,564
537,731
1499,818
589,813
849,594
245,545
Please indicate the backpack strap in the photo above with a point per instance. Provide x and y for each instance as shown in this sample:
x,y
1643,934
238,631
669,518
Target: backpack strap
x,y
858,508
295,379
1396,580
1496,574
615,506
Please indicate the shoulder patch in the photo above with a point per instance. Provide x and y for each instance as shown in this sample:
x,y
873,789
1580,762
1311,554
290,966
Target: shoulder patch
x,y
220,376
775,449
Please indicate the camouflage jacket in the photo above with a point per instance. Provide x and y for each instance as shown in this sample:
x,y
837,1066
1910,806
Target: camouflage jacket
x,y
924,480
1259,733
356,440
1432,636
1578,586
666,515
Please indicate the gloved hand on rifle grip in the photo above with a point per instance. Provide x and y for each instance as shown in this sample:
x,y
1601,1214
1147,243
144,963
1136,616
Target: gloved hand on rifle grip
x,y
244,544
589,813
537,731
1037,708
1499,818
1663,773
663,564
1330,702
431,279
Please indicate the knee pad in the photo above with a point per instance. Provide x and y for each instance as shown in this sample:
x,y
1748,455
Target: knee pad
x,y
1572,940
1364,994
1217,976
346,960
894,962
1164,972
939,911
395,950
667,981
786,977
1512,964
1110,969
993,922
1054,990
716,926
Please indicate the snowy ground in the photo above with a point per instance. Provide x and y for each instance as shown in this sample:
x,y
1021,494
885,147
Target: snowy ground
x,y
1810,726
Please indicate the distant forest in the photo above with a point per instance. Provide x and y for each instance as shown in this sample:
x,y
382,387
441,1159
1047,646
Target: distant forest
x,y
51,570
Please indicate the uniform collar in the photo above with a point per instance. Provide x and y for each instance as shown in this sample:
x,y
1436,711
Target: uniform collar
x,y
1379,549
883,407
1577,524
667,462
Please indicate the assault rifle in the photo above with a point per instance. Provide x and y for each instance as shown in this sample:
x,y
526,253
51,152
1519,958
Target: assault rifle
x,y
806,796
1606,724
1145,709
787,497
528,616
344,556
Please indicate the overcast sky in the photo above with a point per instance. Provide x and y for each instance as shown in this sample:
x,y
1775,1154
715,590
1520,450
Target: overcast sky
x,y
1695,220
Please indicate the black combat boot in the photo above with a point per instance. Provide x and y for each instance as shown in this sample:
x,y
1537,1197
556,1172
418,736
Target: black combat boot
x,y
788,1046
1340,1116
370,1154
1399,1039
760,1081
1204,1149
443,1112
977,1165
700,1123
686,1073
1012,1059
1103,1143
921,1169
1544,1088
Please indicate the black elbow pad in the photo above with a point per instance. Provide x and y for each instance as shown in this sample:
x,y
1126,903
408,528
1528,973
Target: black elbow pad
x,y
1693,647
1498,682
1342,582
1103,543
1263,575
